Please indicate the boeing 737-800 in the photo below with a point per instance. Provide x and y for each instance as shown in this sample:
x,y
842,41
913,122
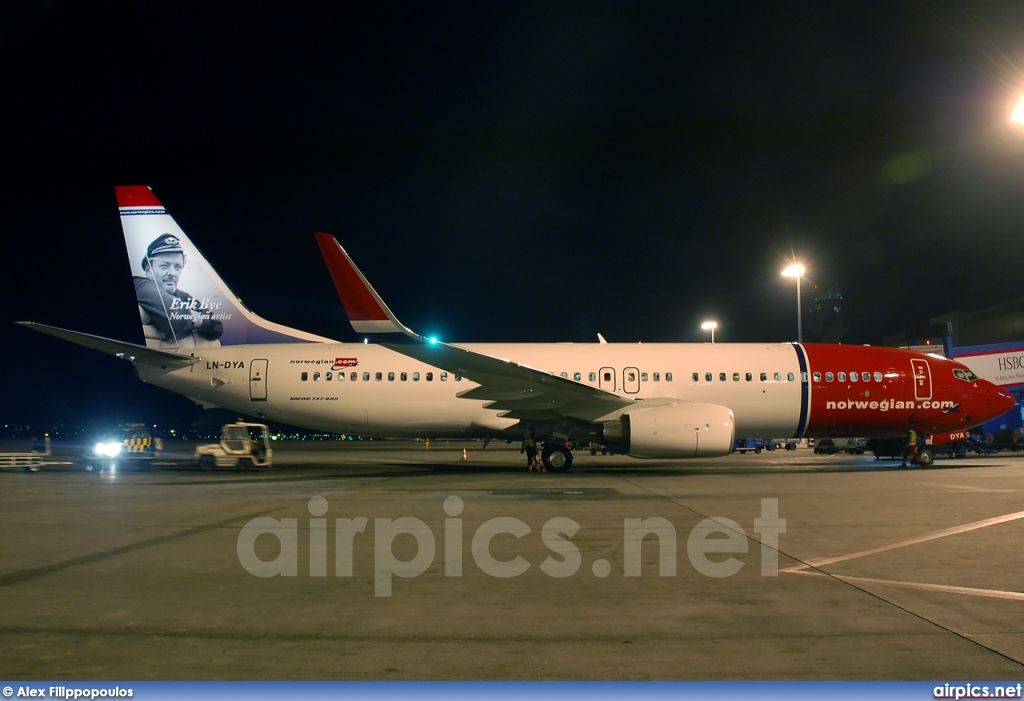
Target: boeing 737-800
x,y
646,400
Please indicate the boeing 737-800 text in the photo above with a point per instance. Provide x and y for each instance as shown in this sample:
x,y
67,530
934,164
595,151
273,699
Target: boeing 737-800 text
x,y
649,400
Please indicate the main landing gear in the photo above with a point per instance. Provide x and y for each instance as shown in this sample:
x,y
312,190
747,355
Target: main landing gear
x,y
556,457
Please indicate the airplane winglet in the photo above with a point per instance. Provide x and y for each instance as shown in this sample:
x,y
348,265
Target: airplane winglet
x,y
365,309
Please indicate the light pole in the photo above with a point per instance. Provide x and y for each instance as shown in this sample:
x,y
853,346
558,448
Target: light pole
x,y
710,326
797,270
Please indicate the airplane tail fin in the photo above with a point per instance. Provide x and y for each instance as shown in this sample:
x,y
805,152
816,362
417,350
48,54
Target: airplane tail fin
x,y
183,303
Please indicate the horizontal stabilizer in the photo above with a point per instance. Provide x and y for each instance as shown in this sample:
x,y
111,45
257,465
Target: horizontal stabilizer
x,y
127,351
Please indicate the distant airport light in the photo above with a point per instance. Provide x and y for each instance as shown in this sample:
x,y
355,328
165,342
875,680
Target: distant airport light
x,y
433,341
1017,116
797,270
710,326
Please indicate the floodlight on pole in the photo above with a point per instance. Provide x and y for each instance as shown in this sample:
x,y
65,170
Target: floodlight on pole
x,y
1017,116
710,326
797,270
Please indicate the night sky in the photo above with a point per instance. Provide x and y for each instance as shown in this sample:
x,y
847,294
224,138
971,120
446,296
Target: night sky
x,y
506,171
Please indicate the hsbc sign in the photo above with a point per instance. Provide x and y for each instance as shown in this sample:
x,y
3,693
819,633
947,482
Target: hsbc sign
x,y
1003,368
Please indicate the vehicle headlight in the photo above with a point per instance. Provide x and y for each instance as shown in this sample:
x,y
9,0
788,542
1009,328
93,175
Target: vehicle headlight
x,y
108,450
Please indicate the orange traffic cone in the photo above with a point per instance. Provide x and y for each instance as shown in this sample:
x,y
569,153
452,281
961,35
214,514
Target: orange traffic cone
x,y
464,454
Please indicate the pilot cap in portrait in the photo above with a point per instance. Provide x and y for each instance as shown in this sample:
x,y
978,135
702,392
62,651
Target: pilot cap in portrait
x,y
168,243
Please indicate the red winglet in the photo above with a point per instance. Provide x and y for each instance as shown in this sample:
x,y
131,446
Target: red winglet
x,y
359,302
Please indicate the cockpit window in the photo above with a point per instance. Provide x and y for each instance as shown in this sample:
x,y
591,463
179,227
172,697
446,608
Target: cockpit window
x,y
964,374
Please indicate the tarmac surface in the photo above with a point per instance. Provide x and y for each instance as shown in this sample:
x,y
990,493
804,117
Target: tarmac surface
x,y
882,572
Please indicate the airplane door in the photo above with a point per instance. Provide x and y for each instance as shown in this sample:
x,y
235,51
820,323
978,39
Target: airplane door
x,y
258,380
606,379
631,380
922,379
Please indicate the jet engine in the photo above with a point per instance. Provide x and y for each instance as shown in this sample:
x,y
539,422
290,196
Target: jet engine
x,y
673,431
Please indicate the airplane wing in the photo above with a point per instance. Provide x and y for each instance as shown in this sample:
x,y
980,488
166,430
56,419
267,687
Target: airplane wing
x,y
522,392
126,351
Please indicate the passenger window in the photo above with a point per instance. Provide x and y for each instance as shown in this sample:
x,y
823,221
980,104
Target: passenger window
x,y
878,377
842,377
592,377
657,377
643,377
444,377
415,377
458,378
430,377
316,376
854,377
391,377
341,376
866,376
577,376
354,376
696,377
764,377
404,376
329,376
631,376
366,377
721,377
803,377
668,377
735,377
829,377
565,375
750,377
305,376
790,376
708,377
817,377
778,377
378,376
607,377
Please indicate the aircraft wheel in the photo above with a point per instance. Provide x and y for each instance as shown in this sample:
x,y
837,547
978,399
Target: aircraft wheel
x,y
791,446
925,457
245,464
757,450
206,463
557,458
593,451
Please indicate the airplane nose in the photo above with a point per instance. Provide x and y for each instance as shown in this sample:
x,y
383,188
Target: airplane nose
x,y
1004,401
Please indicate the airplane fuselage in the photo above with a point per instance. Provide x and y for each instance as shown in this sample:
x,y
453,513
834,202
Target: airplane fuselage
x,y
773,390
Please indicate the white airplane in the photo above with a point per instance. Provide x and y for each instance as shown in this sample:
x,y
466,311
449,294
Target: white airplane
x,y
650,400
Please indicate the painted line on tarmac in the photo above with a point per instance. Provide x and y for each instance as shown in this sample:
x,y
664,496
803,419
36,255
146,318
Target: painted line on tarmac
x,y
923,586
913,540
803,568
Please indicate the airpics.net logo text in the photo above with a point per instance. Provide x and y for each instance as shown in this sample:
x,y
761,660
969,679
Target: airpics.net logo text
x,y
706,544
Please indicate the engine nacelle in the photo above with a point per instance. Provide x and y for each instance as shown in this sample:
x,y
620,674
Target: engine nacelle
x,y
673,431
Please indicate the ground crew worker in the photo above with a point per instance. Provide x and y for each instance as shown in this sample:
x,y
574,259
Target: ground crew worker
x,y
529,447
910,447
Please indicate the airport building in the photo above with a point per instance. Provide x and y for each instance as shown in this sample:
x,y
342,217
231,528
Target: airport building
x,y
989,341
